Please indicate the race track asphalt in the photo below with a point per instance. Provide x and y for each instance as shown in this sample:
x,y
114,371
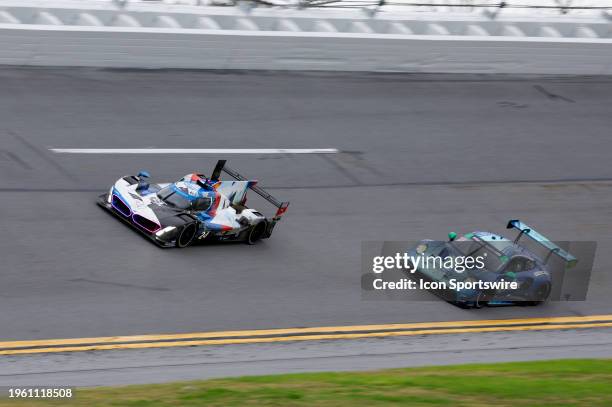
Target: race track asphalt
x,y
421,155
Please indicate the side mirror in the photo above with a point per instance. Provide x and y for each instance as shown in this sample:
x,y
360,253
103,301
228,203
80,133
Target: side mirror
x,y
510,275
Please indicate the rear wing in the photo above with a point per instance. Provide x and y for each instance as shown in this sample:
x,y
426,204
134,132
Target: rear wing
x,y
526,230
221,167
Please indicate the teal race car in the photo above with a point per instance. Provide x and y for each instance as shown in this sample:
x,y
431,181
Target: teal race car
x,y
502,271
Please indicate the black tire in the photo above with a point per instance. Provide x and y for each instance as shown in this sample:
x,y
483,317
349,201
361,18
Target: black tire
x,y
460,304
256,233
186,236
540,296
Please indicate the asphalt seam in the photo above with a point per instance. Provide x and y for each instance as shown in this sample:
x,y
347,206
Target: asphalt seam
x,y
535,182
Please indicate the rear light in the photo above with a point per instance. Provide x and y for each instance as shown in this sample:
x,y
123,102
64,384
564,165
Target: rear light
x,y
281,209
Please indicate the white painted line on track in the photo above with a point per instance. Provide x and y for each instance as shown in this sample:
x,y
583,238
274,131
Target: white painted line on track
x,y
195,150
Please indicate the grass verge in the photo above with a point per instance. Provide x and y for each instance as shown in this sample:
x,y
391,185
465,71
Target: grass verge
x,y
556,382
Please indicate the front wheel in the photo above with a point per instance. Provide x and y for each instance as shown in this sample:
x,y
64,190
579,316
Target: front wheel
x,y
460,304
186,236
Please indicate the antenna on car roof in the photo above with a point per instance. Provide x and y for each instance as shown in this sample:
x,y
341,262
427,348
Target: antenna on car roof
x,y
217,171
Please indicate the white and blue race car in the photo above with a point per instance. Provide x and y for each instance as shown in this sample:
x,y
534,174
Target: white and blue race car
x,y
192,209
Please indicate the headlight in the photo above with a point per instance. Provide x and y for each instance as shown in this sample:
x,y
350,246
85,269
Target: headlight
x,y
422,248
165,231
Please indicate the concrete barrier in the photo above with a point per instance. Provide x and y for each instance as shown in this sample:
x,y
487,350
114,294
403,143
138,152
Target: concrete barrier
x,y
203,49
220,38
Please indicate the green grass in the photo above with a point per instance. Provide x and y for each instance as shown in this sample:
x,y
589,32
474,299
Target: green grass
x,y
556,383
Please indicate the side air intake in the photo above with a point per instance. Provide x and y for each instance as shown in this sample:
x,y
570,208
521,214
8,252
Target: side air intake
x,y
145,223
121,206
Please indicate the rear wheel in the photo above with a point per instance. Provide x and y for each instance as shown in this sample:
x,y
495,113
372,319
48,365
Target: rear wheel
x,y
256,233
186,236
540,295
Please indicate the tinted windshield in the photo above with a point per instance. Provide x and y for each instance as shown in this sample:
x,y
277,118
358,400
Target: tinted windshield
x,y
202,204
172,198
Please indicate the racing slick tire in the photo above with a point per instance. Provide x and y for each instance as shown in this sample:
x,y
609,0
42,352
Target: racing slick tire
x,y
187,235
541,294
460,304
256,232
